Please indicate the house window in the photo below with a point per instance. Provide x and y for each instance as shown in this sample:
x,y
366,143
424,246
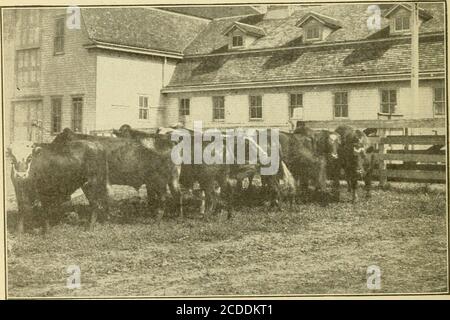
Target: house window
x,y
219,108
295,102
184,108
56,115
77,114
58,40
238,41
28,28
27,67
341,105
313,33
388,101
401,23
439,101
255,107
143,107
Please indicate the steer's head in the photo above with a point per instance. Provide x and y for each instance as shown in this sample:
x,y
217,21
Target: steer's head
x,y
327,143
21,153
334,141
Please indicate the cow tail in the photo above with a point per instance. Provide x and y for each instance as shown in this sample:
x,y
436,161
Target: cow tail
x,y
288,178
108,183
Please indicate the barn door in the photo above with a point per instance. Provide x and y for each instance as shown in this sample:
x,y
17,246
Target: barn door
x,y
27,113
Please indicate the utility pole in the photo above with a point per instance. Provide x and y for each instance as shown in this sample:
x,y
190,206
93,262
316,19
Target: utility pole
x,y
415,59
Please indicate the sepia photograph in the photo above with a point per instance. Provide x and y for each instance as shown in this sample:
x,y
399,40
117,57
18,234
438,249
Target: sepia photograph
x,y
272,150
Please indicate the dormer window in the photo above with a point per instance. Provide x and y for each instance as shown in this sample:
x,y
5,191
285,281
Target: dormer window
x,y
242,35
402,23
312,33
238,41
400,18
317,27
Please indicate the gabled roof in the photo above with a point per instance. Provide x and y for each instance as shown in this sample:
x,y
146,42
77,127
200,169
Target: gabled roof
x,y
246,28
141,27
358,60
422,13
284,33
326,21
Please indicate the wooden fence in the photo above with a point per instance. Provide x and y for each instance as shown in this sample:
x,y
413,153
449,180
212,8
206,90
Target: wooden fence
x,y
426,165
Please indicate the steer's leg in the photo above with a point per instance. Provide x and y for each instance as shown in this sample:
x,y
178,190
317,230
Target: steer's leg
x,y
49,207
353,183
22,207
177,196
151,200
368,184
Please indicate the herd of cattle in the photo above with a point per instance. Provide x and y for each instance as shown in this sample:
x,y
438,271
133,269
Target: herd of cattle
x,y
48,173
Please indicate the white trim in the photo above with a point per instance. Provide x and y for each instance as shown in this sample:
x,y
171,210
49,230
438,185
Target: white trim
x,y
437,74
122,48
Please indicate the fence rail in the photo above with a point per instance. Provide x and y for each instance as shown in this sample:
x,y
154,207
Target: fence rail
x,y
379,123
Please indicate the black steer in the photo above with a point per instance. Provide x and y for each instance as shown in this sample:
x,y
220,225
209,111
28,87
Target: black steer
x,y
130,163
51,173
355,159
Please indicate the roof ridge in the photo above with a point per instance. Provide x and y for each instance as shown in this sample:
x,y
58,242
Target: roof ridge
x,y
178,13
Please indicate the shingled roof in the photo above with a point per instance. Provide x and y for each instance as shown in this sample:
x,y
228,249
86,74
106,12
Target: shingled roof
x,y
213,12
322,62
352,18
142,28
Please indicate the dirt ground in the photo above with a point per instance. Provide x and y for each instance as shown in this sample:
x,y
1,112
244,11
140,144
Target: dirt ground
x,y
310,249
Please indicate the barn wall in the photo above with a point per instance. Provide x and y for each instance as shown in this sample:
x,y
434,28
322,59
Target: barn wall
x,y
363,99
63,75
67,75
121,79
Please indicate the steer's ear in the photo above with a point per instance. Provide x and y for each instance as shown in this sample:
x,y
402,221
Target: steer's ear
x,y
37,150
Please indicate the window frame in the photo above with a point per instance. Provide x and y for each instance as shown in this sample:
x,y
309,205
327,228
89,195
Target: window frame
x,y
389,103
52,114
294,106
57,36
28,22
237,36
143,107
340,105
182,107
24,69
220,108
443,101
77,117
402,17
319,33
256,106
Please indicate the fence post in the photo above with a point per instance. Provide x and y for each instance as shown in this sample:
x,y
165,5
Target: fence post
x,y
382,163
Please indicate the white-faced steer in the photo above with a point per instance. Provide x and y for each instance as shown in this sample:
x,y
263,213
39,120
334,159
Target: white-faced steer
x,y
51,173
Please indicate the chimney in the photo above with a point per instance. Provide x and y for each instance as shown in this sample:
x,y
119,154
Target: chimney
x,y
279,11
